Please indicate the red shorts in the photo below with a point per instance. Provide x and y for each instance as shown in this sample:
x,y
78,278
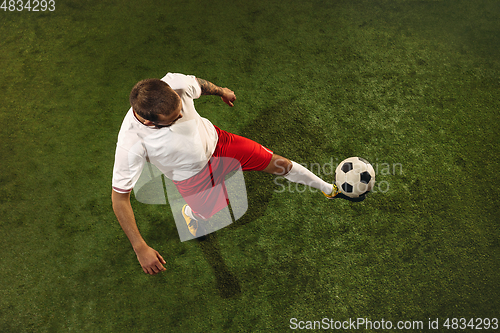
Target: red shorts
x,y
205,192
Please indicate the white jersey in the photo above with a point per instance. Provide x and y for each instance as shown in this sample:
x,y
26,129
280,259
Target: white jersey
x,y
179,151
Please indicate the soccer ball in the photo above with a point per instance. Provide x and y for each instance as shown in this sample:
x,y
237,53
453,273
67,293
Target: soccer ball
x,y
354,177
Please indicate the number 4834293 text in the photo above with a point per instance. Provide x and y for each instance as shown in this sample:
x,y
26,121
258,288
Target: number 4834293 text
x,y
28,5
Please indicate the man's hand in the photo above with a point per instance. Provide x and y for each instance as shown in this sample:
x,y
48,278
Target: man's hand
x,y
228,96
151,261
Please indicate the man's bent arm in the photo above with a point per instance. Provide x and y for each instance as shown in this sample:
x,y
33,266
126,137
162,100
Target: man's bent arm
x,y
208,88
150,260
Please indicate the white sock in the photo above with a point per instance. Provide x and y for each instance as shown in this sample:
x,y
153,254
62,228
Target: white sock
x,y
190,213
299,174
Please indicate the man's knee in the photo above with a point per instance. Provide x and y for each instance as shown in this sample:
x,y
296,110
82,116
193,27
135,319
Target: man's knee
x,y
278,166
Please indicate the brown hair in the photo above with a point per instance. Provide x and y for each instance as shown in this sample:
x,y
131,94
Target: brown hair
x,y
152,97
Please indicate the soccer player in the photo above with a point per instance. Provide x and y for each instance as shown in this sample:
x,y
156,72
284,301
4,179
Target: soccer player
x,y
163,127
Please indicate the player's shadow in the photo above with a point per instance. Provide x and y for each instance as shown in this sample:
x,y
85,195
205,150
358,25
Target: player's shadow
x,y
343,196
269,130
289,131
227,284
259,192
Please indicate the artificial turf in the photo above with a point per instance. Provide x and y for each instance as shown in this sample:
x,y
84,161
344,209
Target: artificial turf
x,y
412,86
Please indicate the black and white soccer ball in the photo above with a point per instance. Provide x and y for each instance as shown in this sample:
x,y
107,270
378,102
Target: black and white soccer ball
x,y
355,177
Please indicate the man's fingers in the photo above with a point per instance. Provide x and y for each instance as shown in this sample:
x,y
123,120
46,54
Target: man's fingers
x,y
155,268
152,270
228,96
151,261
161,259
159,268
228,101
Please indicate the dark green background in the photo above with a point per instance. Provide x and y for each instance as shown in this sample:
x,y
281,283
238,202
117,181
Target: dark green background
x,y
413,83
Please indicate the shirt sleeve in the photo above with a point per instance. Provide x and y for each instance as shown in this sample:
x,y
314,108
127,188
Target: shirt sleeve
x,y
127,170
194,88
186,83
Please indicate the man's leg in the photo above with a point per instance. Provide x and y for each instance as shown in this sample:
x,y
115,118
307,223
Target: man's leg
x,y
205,193
254,156
297,173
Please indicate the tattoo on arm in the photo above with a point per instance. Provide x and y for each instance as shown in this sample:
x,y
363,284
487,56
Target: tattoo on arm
x,y
208,88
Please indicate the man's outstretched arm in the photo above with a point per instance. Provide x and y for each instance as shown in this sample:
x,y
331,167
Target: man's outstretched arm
x,y
208,88
150,260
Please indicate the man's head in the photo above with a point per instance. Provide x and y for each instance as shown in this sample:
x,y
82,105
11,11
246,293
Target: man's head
x,y
154,100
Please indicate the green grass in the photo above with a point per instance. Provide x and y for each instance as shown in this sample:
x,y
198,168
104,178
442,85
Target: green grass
x,y
409,83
